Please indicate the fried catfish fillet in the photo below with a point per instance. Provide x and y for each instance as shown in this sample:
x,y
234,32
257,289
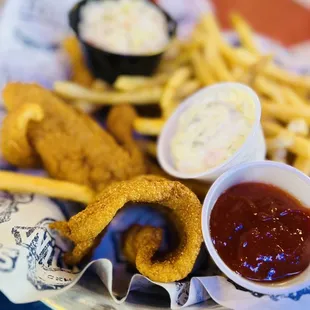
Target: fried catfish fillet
x,y
85,227
41,129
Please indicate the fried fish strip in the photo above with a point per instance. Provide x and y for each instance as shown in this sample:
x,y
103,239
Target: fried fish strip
x,y
70,145
86,226
21,152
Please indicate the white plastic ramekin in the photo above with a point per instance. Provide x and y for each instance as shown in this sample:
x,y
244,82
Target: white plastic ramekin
x,y
283,176
253,148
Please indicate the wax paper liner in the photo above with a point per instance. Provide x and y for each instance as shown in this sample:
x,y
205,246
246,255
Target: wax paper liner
x,y
31,265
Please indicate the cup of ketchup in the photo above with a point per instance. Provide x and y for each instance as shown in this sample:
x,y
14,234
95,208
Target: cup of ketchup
x,y
256,226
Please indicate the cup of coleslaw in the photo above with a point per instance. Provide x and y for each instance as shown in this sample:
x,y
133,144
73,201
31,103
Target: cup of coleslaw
x,y
115,44
213,130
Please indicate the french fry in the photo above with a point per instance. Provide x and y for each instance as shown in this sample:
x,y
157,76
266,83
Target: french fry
x,y
211,26
271,128
286,113
183,58
249,75
244,58
303,164
240,74
200,68
293,98
99,85
167,101
129,82
149,126
299,146
215,61
15,182
210,58
188,88
283,140
245,33
166,67
85,106
269,88
74,91
173,49
299,127
278,155
80,72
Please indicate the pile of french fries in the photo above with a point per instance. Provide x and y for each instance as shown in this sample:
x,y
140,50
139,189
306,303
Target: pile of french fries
x,y
207,58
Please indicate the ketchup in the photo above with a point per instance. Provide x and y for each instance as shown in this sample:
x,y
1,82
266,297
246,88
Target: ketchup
x,y
261,232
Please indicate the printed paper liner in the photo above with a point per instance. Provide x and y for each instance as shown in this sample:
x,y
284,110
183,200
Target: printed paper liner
x,y
31,266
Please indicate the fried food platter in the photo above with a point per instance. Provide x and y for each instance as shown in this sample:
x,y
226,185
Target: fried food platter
x,y
106,166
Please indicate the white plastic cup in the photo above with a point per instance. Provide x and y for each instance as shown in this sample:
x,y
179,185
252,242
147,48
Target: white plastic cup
x,y
253,149
283,176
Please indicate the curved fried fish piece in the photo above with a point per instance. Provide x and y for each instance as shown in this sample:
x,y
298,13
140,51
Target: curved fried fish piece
x,y
15,144
134,238
86,226
70,145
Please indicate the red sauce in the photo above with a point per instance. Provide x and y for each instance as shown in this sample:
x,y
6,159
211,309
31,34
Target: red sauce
x,y
261,232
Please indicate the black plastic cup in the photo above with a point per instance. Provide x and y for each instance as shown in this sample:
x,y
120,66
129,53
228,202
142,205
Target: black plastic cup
x,y
108,66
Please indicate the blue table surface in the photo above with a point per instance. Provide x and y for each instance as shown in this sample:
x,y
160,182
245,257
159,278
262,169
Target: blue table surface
x,y
5,304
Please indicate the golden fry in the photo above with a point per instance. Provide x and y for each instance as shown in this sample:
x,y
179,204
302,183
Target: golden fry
x,y
278,155
11,181
240,74
129,82
173,49
251,74
293,98
303,164
271,128
215,61
299,126
283,140
245,32
299,146
211,26
200,68
74,91
149,126
85,106
285,112
80,72
188,88
99,85
167,101
244,58
270,89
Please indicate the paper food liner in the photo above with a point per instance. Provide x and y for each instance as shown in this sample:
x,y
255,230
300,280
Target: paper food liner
x,y
31,265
